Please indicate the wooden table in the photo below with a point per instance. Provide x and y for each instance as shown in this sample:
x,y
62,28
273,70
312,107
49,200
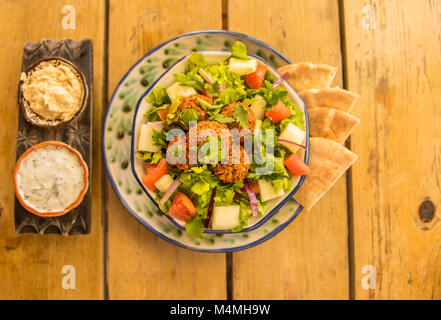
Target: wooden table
x,y
371,220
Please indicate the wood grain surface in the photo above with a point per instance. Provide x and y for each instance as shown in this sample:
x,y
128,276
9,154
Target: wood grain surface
x,y
31,265
390,53
309,259
394,65
141,265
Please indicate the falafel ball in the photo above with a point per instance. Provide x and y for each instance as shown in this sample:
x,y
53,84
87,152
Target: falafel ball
x,y
228,111
233,172
192,102
209,124
182,166
201,125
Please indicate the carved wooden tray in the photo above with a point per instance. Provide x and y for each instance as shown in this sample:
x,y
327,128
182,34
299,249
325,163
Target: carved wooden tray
x,y
77,133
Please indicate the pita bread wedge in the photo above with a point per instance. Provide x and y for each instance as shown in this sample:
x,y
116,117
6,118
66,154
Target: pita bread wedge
x,y
331,124
305,75
334,98
328,160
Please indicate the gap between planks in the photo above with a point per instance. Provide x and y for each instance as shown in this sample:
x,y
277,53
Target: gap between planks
x,y
104,186
349,187
228,255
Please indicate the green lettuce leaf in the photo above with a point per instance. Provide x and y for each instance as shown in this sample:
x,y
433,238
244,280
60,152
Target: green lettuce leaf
x,y
158,96
195,227
159,138
197,59
190,79
150,157
239,50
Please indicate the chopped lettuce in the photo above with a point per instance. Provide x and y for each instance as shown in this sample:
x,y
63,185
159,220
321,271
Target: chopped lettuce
x,y
197,59
195,227
152,114
159,138
150,157
158,97
239,50
190,79
276,174
246,212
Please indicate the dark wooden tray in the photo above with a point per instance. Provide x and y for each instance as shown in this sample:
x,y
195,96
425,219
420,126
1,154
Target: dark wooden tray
x,y
77,133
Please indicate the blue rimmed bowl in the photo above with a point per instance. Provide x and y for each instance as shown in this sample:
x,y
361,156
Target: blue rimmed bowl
x,y
117,136
165,80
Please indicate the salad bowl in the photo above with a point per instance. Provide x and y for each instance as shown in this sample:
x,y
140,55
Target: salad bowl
x,y
117,136
165,80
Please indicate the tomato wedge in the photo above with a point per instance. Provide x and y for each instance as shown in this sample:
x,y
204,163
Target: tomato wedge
x,y
153,172
182,208
296,165
279,112
207,93
162,113
254,186
255,80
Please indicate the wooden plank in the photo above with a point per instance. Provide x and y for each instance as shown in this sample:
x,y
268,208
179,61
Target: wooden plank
x,y
31,265
394,65
140,265
309,259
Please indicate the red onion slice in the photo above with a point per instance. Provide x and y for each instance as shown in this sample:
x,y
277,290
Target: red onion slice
x,y
170,191
282,78
282,141
222,87
206,77
157,125
210,209
252,196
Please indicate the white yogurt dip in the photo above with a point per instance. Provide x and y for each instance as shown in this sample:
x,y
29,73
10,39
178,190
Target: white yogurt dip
x,y
50,179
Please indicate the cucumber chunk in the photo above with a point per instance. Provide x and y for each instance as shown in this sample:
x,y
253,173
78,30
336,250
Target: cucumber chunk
x,y
242,67
226,217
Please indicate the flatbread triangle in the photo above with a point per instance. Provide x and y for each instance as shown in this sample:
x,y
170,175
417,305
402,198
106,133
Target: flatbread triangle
x,y
306,75
331,124
334,98
328,161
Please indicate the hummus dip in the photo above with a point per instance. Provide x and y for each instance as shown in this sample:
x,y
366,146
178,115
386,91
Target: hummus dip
x,y
50,179
53,90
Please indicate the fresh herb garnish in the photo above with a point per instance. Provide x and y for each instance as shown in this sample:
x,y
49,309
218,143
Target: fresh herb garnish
x,y
206,106
187,115
222,119
240,114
